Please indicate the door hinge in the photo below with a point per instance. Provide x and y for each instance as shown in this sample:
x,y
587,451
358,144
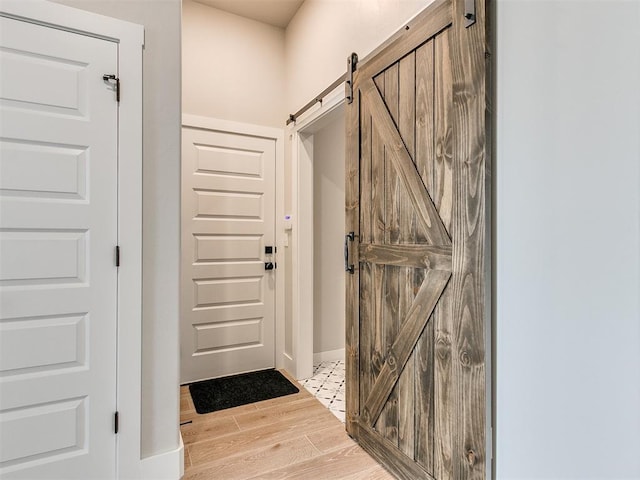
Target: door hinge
x,y
469,13
112,79
116,422
352,62
117,255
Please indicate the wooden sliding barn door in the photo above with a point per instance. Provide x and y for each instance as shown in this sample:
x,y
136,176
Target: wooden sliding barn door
x,y
417,161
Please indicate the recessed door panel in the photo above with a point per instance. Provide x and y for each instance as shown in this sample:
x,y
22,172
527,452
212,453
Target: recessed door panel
x,y
228,205
53,81
228,248
225,335
57,429
229,291
34,170
43,257
225,161
61,341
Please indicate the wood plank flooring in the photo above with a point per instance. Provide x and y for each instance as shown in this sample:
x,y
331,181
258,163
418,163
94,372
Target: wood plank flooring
x,y
291,437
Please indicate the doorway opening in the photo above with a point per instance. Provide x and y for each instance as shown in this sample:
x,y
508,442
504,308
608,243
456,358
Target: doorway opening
x,y
318,260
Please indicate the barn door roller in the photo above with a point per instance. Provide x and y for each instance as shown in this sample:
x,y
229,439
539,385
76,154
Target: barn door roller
x,y
352,61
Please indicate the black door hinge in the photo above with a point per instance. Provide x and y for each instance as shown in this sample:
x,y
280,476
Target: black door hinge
x,y
117,255
352,61
116,82
115,422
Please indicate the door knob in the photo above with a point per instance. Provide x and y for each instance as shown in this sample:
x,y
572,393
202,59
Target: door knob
x,y
269,265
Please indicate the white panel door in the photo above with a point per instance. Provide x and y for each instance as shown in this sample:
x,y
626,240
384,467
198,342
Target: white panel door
x,y
58,229
228,217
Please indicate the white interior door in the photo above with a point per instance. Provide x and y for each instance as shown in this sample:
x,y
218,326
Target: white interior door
x,y
228,218
58,230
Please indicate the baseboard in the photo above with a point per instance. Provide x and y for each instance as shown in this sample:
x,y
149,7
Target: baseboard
x,y
329,356
165,466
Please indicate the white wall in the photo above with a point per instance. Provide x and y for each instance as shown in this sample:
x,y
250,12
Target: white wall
x,y
328,227
161,207
568,240
232,67
324,32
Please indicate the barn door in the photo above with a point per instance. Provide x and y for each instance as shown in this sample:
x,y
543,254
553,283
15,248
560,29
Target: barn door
x,y
416,174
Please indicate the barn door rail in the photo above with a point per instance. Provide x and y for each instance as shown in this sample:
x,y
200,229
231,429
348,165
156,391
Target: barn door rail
x,y
346,78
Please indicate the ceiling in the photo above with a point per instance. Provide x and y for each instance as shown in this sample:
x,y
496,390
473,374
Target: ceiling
x,y
274,12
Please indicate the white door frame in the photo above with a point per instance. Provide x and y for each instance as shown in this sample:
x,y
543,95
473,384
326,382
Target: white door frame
x,y
130,39
277,134
301,132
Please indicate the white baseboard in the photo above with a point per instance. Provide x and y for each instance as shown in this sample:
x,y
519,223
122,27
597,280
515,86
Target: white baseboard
x,y
329,356
165,466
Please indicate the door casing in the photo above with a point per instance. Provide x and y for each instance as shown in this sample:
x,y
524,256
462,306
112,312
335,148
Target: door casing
x,y
130,40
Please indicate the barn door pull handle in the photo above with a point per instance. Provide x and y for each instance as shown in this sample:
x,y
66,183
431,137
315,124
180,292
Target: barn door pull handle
x,y
347,238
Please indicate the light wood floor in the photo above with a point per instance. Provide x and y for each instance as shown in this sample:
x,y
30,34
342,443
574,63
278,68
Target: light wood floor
x,y
284,438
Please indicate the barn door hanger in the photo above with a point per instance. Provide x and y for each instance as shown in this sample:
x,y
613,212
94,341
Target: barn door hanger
x,y
352,61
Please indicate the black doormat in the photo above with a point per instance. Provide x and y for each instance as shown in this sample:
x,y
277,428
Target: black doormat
x,y
227,392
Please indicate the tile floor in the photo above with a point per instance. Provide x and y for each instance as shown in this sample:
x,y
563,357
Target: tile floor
x,y
327,385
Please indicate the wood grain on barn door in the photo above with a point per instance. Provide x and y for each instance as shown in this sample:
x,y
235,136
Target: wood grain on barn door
x,y
417,161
